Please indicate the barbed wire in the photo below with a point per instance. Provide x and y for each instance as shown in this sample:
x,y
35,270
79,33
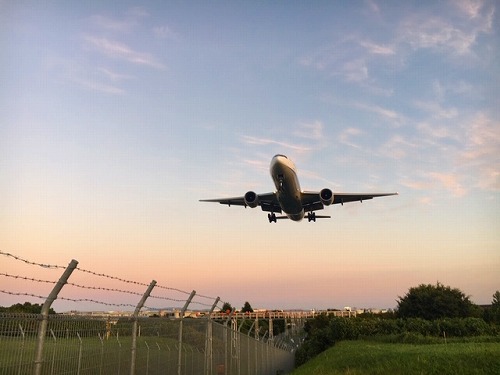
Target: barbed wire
x,y
18,258
27,278
22,294
98,302
111,277
30,262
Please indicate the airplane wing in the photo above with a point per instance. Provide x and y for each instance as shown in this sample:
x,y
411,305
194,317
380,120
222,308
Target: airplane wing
x,y
268,202
312,202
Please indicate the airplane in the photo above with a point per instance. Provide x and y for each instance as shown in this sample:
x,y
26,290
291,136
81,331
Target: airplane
x,y
289,198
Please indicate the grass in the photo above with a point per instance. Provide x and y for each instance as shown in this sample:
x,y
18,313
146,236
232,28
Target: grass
x,y
156,354
373,357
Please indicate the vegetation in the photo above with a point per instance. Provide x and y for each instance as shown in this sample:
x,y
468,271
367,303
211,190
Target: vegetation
x,y
26,308
226,307
435,302
492,314
374,357
426,314
246,308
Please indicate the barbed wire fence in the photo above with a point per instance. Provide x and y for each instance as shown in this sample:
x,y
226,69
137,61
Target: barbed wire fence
x,y
134,342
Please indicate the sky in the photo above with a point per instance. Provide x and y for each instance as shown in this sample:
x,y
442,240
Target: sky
x,y
116,118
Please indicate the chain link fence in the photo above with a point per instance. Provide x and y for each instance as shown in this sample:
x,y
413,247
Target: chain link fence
x,y
212,343
90,345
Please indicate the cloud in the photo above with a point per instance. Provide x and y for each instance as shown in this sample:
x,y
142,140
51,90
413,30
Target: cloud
x,y
436,131
356,57
378,49
94,85
164,32
424,31
436,180
355,70
117,50
386,113
113,76
265,141
125,24
481,153
312,131
450,182
373,6
436,33
436,110
347,135
396,147
471,8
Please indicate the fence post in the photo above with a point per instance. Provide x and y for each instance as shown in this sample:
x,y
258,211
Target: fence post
x,y
42,329
179,356
208,340
134,327
226,332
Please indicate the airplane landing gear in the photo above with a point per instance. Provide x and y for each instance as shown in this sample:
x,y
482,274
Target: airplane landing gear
x,y
272,217
311,216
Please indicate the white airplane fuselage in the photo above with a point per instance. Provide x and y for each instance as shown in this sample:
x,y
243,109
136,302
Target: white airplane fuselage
x,y
288,193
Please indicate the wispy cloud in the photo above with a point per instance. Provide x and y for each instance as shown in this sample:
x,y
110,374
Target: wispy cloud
x,y
436,33
397,147
355,70
437,180
354,56
378,49
128,21
165,32
450,182
386,113
114,76
436,109
471,8
346,137
436,131
313,130
95,85
424,31
266,141
118,50
481,152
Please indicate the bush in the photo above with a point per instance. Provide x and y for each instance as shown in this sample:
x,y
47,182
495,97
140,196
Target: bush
x,y
324,331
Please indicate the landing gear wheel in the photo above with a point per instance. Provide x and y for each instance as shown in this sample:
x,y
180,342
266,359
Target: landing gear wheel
x,y
311,216
271,217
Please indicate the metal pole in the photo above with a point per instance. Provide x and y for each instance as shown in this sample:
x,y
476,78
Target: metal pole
x,y
225,339
179,356
209,339
134,327
42,330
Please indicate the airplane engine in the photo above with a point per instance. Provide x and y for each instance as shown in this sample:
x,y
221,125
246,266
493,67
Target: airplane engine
x,y
326,196
251,199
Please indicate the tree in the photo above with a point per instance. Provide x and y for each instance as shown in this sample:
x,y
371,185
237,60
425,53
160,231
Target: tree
x,y
246,308
434,302
495,302
226,307
492,314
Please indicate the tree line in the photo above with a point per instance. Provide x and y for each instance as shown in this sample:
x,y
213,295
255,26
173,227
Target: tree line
x,y
25,308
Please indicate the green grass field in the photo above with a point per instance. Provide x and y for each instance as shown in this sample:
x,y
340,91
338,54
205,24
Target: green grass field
x,y
370,357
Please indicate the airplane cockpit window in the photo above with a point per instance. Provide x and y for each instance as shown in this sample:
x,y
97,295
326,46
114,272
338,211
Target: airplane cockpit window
x,y
283,156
